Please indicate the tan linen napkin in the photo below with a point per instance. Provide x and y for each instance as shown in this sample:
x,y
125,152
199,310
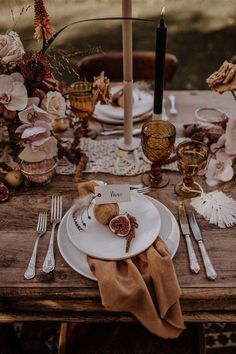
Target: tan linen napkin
x,y
145,285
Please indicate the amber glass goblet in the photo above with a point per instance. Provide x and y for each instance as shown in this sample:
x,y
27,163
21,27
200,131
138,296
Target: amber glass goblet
x,y
82,103
157,139
191,159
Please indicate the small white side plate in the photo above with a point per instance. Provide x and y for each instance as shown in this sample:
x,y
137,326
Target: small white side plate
x,y
143,102
98,241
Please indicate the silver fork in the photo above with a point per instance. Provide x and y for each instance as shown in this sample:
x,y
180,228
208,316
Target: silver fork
x,y
143,190
56,214
40,231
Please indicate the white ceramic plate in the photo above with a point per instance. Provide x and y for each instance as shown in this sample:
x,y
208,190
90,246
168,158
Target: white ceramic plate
x,y
98,241
77,260
143,102
108,120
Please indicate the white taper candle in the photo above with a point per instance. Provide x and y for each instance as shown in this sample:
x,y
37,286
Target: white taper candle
x,y
127,70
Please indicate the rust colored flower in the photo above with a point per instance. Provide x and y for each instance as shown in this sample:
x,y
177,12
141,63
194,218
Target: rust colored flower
x,y
42,23
35,67
224,79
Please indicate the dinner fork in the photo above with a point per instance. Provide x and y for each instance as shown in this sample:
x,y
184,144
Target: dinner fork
x,y
40,231
56,214
142,190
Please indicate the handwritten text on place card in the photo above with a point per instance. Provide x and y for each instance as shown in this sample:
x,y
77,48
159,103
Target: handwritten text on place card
x,y
113,193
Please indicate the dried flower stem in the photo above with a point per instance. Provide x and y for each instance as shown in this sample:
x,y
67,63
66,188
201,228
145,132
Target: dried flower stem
x,y
47,44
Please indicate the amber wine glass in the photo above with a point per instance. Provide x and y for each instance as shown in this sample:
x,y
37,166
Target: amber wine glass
x,y
157,139
82,103
191,159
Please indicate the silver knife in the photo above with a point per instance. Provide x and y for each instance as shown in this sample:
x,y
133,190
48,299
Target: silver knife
x,y
194,265
210,271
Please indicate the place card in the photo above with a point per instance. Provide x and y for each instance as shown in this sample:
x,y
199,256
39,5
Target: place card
x,y
112,193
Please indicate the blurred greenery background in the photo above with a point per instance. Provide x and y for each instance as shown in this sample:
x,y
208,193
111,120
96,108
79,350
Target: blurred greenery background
x,y
201,33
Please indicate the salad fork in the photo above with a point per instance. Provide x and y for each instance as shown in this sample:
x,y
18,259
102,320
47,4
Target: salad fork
x,y
56,215
40,231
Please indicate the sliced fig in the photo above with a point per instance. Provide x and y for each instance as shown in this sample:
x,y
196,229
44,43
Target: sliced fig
x,y
4,193
120,225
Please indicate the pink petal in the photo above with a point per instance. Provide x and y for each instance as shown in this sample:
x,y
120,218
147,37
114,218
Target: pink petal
x,y
22,127
211,167
32,131
34,110
219,144
51,147
222,156
226,175
19,97
33,101
29,155
41,123
40,142
18,77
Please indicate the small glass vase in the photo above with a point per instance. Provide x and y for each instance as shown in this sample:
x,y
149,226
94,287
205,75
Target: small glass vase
x,y
40,172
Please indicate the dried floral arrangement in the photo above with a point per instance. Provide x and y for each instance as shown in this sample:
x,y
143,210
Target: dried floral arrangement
x,y
219,132
31,98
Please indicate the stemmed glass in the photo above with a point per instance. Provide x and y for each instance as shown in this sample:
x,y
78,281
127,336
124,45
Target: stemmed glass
x,y
157,139
82,103
191,159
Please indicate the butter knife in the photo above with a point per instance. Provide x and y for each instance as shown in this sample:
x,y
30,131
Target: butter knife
x,y
210,271
194,265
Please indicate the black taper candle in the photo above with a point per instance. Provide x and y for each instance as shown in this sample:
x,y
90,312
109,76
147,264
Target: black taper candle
x,y
161,33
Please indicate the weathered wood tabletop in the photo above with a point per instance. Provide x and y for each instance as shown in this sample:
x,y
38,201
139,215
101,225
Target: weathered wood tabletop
x,y
66,295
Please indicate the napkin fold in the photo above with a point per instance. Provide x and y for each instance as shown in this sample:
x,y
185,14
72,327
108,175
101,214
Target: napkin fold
x,y
145,285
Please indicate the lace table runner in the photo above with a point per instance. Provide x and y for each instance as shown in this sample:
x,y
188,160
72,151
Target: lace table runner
x,y
104,156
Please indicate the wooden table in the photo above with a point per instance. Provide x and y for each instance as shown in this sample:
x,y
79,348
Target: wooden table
x,y
67,296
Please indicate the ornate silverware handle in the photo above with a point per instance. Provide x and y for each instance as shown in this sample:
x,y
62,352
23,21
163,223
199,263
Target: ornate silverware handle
x,y
194,265
49,261
30,271
210,271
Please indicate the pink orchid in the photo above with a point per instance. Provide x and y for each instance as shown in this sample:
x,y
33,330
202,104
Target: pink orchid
x,y
33,113
35,132
220,144
13,93
219,169
34,153
30,131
